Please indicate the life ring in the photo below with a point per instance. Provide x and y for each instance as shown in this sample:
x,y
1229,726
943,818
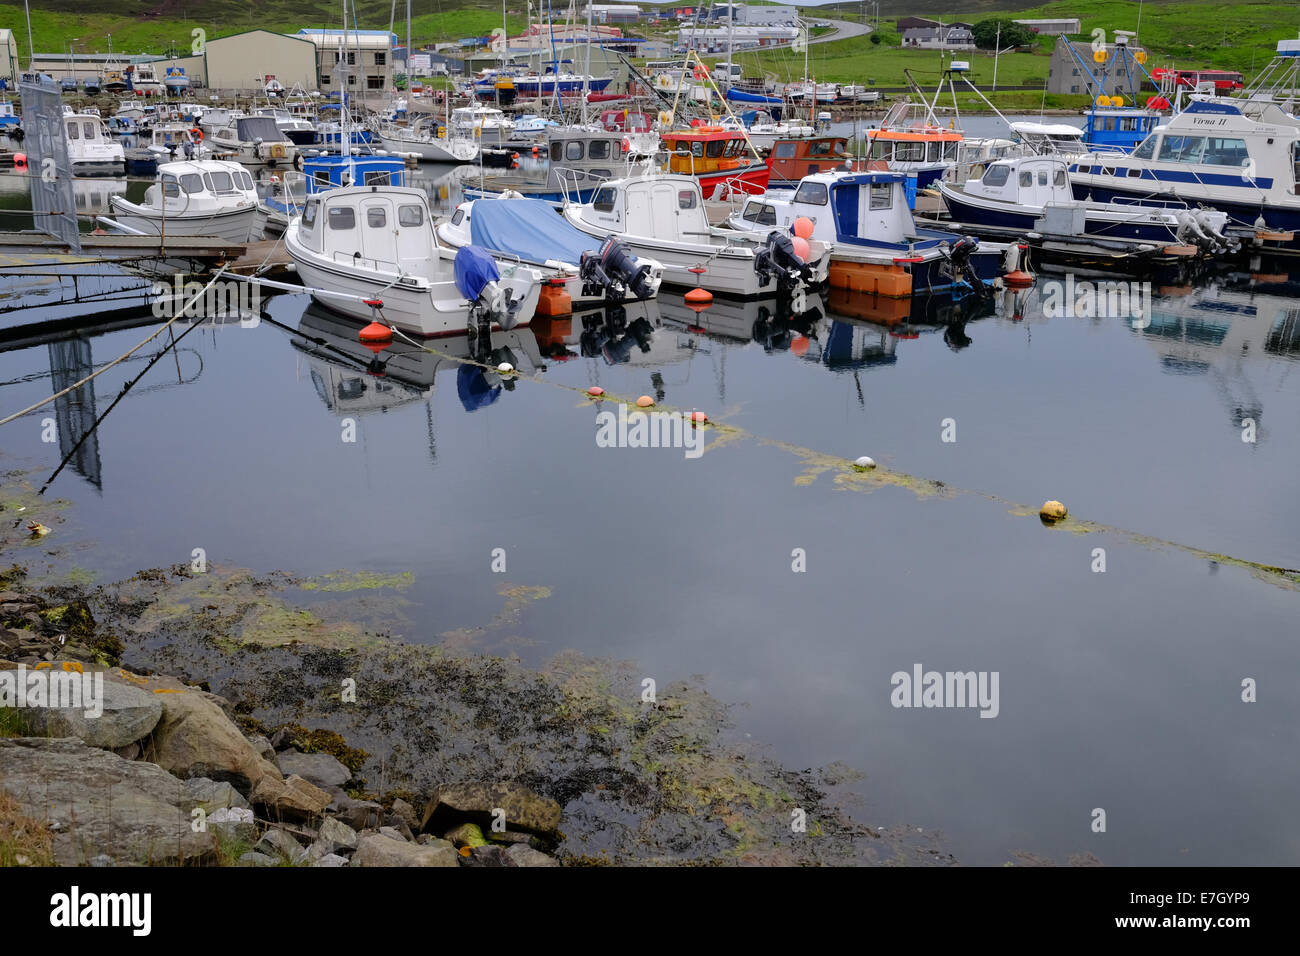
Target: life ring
x,y
298,162
277,151
197,134
665,118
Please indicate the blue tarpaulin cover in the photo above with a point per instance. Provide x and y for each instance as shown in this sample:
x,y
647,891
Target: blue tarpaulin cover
x,y
473,389
528,228
474,268
744,96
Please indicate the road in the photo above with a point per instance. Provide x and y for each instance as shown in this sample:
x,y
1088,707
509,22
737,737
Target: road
x,y
844,30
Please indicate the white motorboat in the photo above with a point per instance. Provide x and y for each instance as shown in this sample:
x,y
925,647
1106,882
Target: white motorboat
x,y
177,141
90,149
376,243
200,198
428,141
300,130
486,125
517,229
255,141
663,218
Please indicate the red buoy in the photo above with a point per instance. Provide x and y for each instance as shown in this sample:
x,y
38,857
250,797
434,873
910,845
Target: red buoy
x,y
376,332
697,300
1018,280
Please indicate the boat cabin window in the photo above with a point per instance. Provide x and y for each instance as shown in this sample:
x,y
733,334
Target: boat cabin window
x,y
598,149
686,199
245,180
73,131
573,149
170,189
1026,177
1058,178
909,152
760,213
1182,149
882,195
1225,152
192,183
821,148
716,148
1042,177
219,181
412,215
376,217
1147,149
378,177
89,129
456,220
812,193
603,201
309,215
697,149
342,217
997,175
784,150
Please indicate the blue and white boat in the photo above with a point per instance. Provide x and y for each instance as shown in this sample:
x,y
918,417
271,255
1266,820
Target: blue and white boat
x,y
514,228
875,243
1013,195
322,172
1118,128
1241,156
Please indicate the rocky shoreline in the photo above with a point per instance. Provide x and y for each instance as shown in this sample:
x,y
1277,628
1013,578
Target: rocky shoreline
x,y
240,728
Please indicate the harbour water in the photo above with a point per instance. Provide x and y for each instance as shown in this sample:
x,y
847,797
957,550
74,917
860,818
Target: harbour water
x,y
795,588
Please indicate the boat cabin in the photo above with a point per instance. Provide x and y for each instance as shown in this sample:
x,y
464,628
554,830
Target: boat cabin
x,y
330,171
706,149
934,146
386,229
665,207
200,186
1120,128
1027,181
864,208
792,159
1050,138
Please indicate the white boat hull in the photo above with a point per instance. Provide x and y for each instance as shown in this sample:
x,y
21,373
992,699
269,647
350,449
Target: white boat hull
x,y
234,225
433,150
417,307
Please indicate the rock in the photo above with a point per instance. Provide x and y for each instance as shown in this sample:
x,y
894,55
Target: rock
x,y
213,794
253,858
283,739
331,859
195,738
277,842
380,850
491,855
130,811
129,752
524,855
358,814
263,747
234,823
406,813
453,804
128,713
292,799
467,834
510,838
320,769
338,835
397,833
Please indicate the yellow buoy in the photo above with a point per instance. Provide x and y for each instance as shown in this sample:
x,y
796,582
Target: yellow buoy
x,y
1052,511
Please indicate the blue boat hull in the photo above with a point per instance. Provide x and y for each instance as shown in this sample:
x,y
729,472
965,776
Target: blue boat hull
x,y
980,216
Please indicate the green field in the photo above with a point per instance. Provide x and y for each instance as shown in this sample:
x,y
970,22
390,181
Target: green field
x,y
1187,33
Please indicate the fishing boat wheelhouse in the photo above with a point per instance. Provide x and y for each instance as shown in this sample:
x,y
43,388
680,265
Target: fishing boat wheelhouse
x,y
1118,127
792,159
927,151
721,159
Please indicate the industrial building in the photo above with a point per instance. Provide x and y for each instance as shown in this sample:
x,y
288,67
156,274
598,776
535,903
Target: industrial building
x,y
613,13
1074,69
368,53
9,68
1053,28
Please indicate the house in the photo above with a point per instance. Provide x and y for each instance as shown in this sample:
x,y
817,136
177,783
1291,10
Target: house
x,y
926,34
369,56
1075,69
614,13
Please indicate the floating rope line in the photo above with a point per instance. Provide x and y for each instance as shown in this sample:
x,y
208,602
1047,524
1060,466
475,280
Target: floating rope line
x,y
849,476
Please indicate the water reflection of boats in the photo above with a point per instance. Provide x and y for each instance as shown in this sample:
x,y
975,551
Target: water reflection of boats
x,y
352,379
909,318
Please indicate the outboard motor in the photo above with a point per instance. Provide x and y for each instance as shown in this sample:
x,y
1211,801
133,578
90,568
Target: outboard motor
x,y
613,269
777,260
959,259
477,279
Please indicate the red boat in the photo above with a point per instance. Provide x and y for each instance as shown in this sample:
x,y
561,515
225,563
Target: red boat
x,y
721,159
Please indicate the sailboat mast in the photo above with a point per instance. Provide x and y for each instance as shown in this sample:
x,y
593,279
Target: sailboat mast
x,y
408,46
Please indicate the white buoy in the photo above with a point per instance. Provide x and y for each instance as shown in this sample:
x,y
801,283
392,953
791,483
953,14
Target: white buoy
x,y
865,463
505,368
